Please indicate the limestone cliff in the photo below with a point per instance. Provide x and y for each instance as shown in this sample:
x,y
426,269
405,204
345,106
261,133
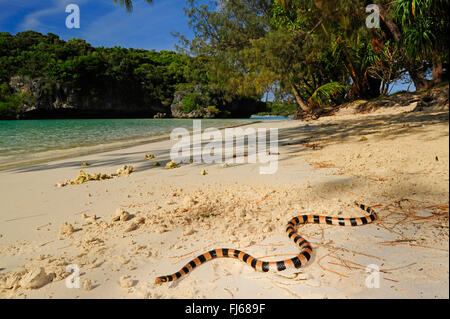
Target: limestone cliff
x,y
47,99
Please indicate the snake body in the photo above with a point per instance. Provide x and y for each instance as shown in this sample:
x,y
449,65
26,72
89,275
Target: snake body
x,y
264,266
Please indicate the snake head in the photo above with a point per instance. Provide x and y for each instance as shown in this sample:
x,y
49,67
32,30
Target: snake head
x,y
160,280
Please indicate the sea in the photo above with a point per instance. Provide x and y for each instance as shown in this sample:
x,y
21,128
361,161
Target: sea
x,y
25,142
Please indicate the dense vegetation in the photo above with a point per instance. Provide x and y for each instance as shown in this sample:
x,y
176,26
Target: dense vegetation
x,y
315,54
143,77
319,53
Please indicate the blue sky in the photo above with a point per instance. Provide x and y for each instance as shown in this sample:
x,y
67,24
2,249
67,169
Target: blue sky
x,y
102,23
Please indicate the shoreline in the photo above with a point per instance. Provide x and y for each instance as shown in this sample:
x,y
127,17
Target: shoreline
x,y
177,214
96,149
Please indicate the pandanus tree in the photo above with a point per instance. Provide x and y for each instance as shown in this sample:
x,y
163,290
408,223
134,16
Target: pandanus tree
x,y
425,27
419,30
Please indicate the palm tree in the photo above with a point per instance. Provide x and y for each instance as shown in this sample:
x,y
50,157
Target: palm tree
x,y
129,4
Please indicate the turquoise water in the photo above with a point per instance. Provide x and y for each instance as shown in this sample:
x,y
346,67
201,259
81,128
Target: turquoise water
x,y
39,139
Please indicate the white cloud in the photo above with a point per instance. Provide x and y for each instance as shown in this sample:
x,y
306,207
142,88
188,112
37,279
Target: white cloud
x,y
10,8
147,27
102,22
56,7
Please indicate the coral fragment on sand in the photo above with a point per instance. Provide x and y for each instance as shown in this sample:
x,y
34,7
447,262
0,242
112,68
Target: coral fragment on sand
x,y
84,177
126,281
125,170
66,230
171,164
121,215
36,278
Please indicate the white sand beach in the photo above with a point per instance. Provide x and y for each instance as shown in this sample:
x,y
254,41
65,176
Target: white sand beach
x,y
395,162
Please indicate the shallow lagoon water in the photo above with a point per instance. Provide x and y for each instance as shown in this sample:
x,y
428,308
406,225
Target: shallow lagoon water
x,y
26,141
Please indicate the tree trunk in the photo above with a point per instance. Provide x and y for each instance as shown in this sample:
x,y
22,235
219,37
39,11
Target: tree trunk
x,y
437,69
300,101
420,82
373,89
395,32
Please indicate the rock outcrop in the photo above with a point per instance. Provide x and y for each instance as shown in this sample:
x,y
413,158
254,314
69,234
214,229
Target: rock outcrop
x,y
197,101
203,101
49,99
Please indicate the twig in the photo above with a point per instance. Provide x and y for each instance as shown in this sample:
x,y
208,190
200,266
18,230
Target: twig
x,y
10,220
354,263
416,245
330,270
391,230
393,242
352,251
290,292
292,254
181,256
193,251
390,279
347,266
227,290
51,241
400,267
322,165
400,221
265,197
269,245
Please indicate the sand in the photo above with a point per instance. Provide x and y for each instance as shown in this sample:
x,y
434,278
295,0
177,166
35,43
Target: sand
x,y
116,235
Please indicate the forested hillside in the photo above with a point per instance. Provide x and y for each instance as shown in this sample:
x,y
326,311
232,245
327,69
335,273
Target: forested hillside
x,y
44,76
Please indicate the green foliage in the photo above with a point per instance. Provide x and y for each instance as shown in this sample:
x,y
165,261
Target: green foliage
x,y
142,77
190,102
296,48
213,109
285,47
198,99
280,109
10,102
324,94
425,25
315,52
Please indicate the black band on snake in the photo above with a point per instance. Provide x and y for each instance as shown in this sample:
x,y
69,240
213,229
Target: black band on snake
x,y
264,266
